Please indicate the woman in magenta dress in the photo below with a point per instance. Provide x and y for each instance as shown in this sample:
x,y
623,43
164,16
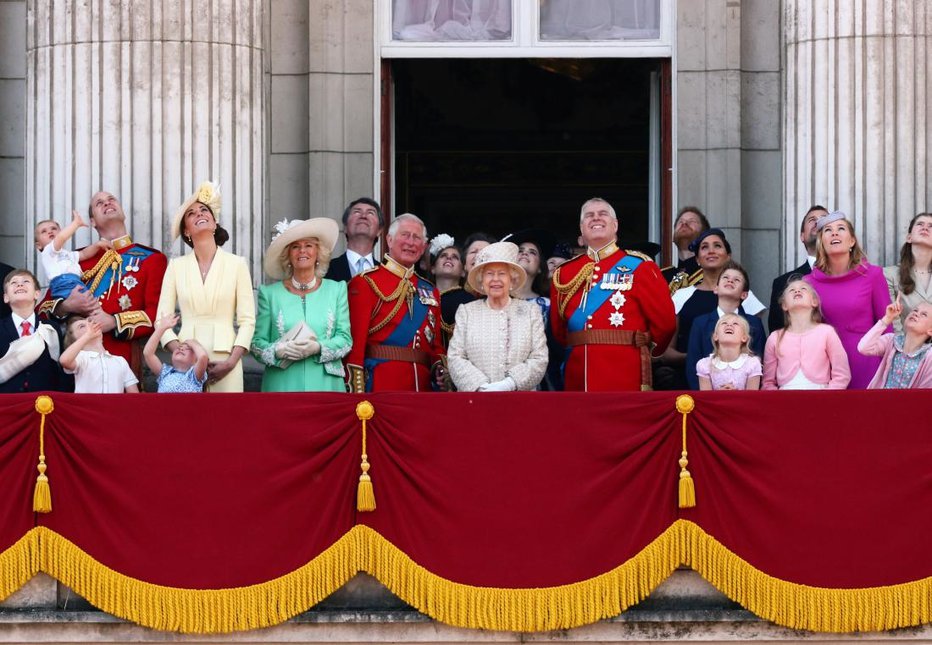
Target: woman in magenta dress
x,y
853,292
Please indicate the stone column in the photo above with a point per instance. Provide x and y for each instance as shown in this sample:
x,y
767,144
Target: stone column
x,y
145,99
857,102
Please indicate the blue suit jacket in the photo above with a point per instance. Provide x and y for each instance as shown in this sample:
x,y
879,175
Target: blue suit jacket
x,y
44,374
700,341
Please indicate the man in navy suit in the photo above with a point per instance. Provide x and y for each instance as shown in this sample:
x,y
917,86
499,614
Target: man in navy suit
x,y
362,225
28,350
807,235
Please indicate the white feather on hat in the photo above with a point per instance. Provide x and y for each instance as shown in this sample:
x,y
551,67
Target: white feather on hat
x,y
324,229
498,253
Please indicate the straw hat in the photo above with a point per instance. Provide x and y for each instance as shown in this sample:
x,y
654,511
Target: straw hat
x,y
324,229
498,253
207,194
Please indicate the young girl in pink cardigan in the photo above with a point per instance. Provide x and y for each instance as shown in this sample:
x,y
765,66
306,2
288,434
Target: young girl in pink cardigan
x,y
806,354
907,357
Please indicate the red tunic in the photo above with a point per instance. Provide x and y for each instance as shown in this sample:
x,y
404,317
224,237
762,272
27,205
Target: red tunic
x,y
645,305
379,315
130,294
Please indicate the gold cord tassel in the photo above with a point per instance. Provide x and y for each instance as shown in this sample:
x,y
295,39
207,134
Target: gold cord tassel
x,y
685,405
365,494
42,497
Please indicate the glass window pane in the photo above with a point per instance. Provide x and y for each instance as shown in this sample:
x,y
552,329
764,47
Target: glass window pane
x,y
599,19
451,20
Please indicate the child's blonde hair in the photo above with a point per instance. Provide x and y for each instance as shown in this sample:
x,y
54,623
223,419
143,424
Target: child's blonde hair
x,y
745,345
815,314
70,336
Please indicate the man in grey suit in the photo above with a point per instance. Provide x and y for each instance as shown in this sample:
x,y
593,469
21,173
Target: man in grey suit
x,y
362,225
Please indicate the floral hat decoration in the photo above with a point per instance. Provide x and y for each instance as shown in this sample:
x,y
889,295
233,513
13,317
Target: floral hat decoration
x,y
209,195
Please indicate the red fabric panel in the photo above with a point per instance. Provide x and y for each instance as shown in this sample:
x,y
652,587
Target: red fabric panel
x,y
203,491
19,454
825,489
524,489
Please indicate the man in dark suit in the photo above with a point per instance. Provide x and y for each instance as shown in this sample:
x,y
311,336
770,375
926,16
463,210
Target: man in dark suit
x,y
807,235
4,272
30,365
362,225
689,223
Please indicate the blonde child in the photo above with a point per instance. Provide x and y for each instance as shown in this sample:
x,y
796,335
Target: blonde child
x,y
806,354
62,268
731,366
907,357
188,369
96,371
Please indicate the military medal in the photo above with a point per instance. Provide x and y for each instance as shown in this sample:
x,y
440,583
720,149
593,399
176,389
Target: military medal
x,y
617,300
625,282
133,265
616,319
129,281
125,302
426,297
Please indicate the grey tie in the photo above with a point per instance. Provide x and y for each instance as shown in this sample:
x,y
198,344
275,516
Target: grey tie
x,y
361,265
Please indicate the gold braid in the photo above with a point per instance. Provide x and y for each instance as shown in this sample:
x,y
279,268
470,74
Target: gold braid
x,y
109,257
568,289
398,296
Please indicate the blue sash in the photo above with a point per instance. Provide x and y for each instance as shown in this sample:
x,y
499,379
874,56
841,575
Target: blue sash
x,y
405,330
133,256
597,296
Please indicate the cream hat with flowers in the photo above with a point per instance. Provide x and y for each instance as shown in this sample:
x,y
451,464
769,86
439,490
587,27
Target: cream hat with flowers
x,y
209,195
498,253
324,229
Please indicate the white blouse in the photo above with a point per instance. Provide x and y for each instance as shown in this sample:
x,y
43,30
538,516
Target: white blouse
x,y
490,344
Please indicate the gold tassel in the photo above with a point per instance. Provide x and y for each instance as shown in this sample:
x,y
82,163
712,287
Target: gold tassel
x,y
365,494
42,497
687,492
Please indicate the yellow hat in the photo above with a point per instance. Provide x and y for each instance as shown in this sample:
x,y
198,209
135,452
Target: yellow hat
x,y
206,194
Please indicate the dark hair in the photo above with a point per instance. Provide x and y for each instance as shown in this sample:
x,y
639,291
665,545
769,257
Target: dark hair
x,y
433,258
696,243
69,332
15,272
734,266
703,220
907,284
478,237
814,207
368,201
221,237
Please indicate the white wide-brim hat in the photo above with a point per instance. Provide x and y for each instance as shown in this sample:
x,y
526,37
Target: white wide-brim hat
x,y
209,195
498,253
324,229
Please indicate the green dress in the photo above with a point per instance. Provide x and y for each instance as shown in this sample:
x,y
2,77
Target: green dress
x,y
327,313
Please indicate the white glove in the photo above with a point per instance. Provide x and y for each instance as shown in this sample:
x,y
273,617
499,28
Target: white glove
x,y
306,347
286,350
507,384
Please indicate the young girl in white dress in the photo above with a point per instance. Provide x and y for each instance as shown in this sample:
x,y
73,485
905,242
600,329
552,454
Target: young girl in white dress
x,y
731,366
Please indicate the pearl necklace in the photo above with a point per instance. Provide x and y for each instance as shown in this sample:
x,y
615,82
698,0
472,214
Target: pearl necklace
x,y
300,286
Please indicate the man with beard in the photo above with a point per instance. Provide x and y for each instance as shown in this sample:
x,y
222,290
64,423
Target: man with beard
x,y
362,224
807,235
690,222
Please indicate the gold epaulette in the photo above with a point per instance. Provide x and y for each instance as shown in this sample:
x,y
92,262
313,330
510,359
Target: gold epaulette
x,y
394,295
638,254
109,260
683,279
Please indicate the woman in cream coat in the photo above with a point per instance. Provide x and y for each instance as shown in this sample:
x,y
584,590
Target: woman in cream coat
x,y
498,344
213,291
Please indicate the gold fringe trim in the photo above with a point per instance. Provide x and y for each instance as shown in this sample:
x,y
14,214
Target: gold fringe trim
x,y
524,610
19,563
819,609
199,611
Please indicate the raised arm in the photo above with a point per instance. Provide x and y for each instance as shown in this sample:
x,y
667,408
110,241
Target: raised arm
x,y
152,344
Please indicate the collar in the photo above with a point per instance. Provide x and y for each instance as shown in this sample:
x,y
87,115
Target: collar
x,y
899,340
600,254
122,242
811,260
18,321
735,364
398,269
353,257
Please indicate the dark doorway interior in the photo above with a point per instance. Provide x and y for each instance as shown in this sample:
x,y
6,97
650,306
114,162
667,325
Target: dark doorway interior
x,y
500,145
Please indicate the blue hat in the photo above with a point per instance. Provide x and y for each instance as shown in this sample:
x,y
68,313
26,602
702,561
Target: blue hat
x,y
694,245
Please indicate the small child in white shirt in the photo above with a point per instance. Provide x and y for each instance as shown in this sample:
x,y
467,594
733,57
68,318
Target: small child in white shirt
x,y
96,371
62,267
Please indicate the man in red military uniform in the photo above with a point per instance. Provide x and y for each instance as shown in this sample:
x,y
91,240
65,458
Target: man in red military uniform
x,y
609,308
395,318
123,284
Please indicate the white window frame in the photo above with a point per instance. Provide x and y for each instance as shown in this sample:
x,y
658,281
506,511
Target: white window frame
x,y
525,40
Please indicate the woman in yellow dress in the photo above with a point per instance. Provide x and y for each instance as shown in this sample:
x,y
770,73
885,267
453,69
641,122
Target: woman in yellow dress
x,y
212,289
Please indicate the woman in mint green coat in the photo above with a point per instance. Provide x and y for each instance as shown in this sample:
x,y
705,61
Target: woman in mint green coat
x,y
302,322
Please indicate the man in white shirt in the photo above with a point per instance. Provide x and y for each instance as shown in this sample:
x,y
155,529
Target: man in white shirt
x,y
807,235
362,225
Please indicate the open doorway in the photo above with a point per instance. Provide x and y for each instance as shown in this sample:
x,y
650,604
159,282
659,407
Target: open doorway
x,y
498,145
